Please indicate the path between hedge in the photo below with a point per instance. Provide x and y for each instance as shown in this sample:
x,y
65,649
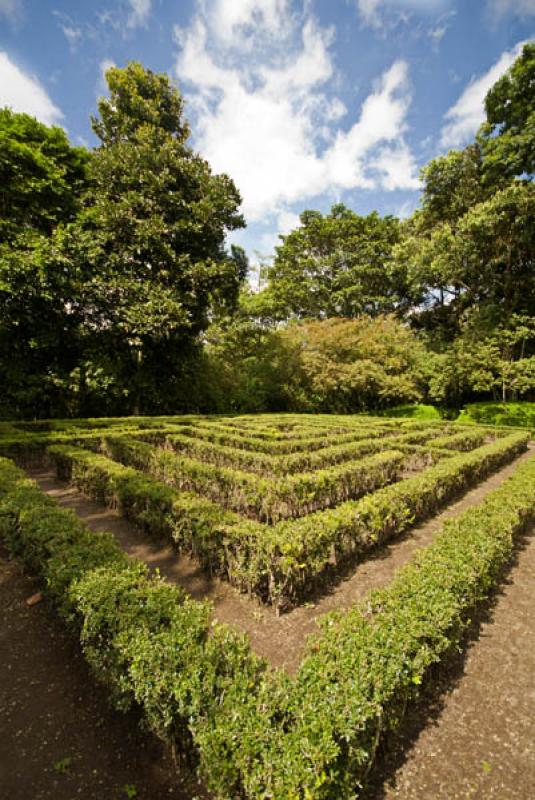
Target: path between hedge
x,y
279,639
473,738
59,738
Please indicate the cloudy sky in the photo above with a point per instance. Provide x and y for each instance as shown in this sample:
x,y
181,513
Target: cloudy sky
x,y
303,102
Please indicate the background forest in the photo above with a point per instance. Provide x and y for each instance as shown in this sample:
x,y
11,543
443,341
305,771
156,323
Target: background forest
x,y
119,294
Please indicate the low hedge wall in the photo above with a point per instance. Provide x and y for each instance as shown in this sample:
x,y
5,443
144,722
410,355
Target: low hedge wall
x,y
120,613
254,733
281,563
286,464
277,447
463,441
265,499
316,736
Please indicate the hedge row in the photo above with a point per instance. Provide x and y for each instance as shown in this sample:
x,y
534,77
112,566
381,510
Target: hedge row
x,y
278,465
267,500
302,551
29,449
280,564
258,734
316,736
273,433
463,441
307,443
122,615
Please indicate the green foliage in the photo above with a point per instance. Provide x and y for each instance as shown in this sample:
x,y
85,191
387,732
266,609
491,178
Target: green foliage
x,y
117,290
41,177
508,135
150,240
266,500
105,294
351,365
501,362
282,562
337,265
143,639
521,415
417,411
253,732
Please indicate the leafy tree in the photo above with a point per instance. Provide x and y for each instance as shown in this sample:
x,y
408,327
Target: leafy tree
x,y
41,181
339,264
500,363
347,365
150,240
508,135
41,176
452,184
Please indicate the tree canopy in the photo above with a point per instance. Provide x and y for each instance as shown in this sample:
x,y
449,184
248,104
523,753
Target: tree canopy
x,y
337,264
119,292
508,135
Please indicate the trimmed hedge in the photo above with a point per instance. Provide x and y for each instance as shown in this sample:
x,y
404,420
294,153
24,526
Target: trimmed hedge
x,y
464,440
284,447
279,465
317,736
258,734
300,553
267,500
122,615
282,563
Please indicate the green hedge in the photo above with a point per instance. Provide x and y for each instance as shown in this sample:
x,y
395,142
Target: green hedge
x,y
286,464
518,415
259,734
464,440
280,563
317,736
267,500
122,615
300,553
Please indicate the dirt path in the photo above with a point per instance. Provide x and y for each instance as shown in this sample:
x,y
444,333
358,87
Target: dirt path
x,y
474,736
279,639
59,739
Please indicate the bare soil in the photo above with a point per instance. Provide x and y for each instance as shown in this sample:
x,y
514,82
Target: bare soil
x,y
280,640
472,737
59,738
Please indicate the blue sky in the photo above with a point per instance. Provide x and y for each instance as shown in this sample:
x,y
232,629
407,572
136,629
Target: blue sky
x,y
303,103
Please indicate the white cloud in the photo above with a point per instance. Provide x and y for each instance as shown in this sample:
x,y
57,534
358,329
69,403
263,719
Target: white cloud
x,y
287,221
139,14
397,168
23,93
522,8
371,11
103,67
230,18
72,34
465,117
12,9
266,114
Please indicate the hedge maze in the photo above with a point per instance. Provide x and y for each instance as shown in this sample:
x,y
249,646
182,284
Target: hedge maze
x,y
278,506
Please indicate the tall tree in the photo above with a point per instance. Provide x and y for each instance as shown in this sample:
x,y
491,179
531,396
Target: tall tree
x,y
508,135
338,264
41,181
151,238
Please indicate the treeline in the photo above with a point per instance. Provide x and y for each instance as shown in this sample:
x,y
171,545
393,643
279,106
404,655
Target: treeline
x,y
118,294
